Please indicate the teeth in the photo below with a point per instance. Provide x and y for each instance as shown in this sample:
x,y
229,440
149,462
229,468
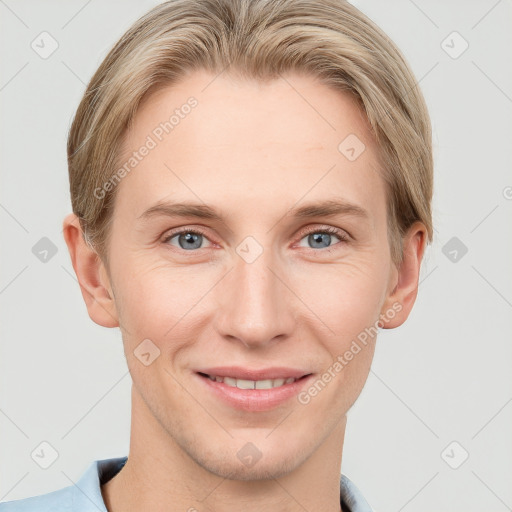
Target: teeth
x,y
245,384
252,384
264,384
230,382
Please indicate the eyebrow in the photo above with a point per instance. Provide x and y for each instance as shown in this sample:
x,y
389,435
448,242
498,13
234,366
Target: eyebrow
x,y
326,208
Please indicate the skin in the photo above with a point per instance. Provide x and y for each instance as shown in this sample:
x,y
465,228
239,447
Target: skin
x,y
253,152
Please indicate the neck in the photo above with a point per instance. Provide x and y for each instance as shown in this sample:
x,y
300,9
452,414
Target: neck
x,y
160,476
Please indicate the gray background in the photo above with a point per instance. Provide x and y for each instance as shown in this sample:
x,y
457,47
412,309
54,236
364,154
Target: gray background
x,y
443,377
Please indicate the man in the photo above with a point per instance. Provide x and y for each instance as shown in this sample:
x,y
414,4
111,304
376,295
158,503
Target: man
x,y
251,185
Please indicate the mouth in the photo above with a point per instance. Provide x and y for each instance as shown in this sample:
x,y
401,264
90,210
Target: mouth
x,y
233,382
253,390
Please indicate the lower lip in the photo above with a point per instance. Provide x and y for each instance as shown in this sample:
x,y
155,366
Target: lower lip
x,y
255,400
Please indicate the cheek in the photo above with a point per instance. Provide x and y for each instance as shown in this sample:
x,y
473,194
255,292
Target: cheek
x,y
157,305
156,297
167,306
345,298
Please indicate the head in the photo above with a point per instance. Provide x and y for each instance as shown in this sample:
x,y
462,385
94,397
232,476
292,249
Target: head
x,y
251,185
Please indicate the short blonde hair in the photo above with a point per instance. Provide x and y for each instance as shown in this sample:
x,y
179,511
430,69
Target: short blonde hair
x,y
257,39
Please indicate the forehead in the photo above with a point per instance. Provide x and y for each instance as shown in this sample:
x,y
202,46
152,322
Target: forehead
x,y
255,144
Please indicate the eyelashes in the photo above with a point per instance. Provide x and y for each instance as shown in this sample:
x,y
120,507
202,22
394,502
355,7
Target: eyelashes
x,y
198,234
174,234
328,231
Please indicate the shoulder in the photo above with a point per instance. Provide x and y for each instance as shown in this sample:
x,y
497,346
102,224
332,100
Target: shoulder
x,y
60,500
352,499
84,496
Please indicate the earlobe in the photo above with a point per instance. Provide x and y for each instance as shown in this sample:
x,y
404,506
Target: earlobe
x,y
400,300
91,274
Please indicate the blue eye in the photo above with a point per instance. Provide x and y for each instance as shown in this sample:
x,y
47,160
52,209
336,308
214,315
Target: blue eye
x,y
190,240
322,238
319,240
187,240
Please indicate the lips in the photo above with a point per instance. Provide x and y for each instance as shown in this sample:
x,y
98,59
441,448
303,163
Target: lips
x,y
253,390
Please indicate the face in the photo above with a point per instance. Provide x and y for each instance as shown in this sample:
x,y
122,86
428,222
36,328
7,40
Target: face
x,y
272,267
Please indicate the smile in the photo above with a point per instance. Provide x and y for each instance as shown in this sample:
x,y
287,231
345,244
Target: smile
x,y
253,390
251,384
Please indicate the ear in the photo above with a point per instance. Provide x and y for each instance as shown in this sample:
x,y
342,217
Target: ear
x,y
404,283
92,275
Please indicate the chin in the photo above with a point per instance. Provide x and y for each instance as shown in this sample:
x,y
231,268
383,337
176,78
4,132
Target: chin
x,y
237,459
234,469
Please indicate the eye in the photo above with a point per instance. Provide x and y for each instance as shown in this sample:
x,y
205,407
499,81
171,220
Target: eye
x,y
186,239
193,239
322,238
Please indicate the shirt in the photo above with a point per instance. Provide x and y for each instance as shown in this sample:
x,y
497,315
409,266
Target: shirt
x,y
86,496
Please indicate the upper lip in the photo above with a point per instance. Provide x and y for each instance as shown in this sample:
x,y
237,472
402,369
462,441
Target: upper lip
x,y
237,372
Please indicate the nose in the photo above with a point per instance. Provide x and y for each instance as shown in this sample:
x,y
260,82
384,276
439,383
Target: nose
x,y
256,304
